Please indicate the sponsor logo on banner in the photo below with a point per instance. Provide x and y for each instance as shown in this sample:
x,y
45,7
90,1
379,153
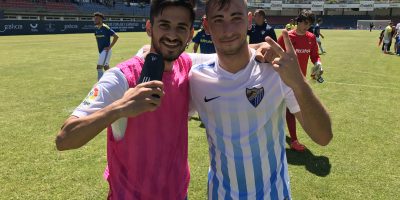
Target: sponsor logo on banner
x,y
276,5
11,27
317,6
88,27
366,5
394,5
307,6
50,27
341,6
69,26
258,5
34,27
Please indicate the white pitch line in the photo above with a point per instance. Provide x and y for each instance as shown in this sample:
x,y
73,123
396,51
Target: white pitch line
x,y
362,85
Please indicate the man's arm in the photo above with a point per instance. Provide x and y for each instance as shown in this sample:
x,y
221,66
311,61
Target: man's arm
x,y
314,56
115,39
76,132
195,47
272,34
313,116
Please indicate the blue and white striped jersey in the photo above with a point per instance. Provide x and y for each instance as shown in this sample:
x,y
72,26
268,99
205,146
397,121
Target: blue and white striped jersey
x,y
244,116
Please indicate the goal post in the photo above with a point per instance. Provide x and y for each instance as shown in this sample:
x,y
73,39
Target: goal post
x,y
378,24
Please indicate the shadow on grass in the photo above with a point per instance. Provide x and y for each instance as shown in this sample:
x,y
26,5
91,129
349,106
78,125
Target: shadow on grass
x,y
318,165
199,120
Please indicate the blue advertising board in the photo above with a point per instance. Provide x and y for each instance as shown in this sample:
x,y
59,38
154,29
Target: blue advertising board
x,y
29,27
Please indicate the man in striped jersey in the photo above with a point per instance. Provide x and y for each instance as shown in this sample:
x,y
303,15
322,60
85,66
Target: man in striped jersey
x,y
243,105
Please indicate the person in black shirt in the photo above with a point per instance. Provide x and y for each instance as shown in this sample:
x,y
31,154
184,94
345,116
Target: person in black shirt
x,y
260,29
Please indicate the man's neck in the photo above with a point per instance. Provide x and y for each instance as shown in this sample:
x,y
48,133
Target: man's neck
x,y
237,62
300,33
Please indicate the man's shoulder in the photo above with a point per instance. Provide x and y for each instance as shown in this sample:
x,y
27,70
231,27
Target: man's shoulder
x,y
309,34
204,66
134,62
106,26
268,27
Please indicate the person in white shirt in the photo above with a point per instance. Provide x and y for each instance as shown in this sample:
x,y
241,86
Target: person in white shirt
x,y
243,103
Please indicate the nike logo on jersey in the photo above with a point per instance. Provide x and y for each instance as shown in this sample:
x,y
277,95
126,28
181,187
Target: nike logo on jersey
x,y
207,100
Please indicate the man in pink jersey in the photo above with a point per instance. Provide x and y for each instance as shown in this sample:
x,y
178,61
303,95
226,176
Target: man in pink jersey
x,y
306,47
146,136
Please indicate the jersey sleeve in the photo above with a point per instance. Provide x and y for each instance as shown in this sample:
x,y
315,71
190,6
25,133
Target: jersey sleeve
x,y
111,32
314,56
250,30
111,87
290,99
272,34
199,58
317,30
196,38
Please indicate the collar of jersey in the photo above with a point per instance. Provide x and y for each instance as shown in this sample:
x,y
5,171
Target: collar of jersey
x,y
98,27
223,73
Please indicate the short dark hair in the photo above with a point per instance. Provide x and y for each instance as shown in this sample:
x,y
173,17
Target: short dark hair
x,y
157,7
220,3
306,15
99,14
261,12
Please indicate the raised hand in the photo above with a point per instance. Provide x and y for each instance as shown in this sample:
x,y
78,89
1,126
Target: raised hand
x,y
265,53
286,63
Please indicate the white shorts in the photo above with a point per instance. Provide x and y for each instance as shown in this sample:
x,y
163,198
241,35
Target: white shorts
x,y
318,39
104,58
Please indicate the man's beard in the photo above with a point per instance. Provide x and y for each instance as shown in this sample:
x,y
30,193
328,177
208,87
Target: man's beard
x,y
167,56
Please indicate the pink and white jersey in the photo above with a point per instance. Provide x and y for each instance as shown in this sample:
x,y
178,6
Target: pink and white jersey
x,y
147,154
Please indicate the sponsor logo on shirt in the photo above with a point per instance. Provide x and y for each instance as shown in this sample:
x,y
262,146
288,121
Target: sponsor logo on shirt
x,y
93,94
303,51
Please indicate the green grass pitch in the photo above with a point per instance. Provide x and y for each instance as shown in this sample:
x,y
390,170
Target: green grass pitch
x,y
43,78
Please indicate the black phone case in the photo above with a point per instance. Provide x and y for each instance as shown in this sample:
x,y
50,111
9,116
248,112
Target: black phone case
x,y
153,68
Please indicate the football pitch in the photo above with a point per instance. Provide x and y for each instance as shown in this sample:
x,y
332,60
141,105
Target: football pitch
x,y
44,77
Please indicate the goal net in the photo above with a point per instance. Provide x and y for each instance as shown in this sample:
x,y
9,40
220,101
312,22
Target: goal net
x,y
378,24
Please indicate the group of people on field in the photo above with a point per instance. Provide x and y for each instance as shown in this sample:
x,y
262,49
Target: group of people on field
x,y
386,37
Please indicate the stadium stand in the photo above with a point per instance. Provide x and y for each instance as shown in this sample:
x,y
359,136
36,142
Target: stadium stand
x,y
338,14
38,6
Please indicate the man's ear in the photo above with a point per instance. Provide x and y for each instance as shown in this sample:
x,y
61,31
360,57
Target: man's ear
x,y
148,28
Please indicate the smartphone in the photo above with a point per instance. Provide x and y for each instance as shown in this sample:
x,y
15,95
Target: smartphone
x,y
153,68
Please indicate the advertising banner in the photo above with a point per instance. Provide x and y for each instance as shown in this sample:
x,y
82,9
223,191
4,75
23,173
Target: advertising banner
x,y
28,27
276,5
317,6
366,5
